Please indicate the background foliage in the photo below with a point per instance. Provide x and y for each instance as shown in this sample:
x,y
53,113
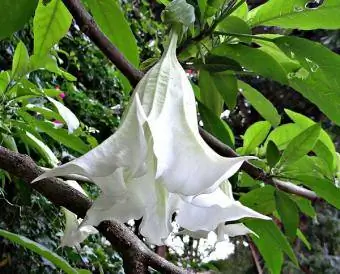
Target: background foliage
x,y
265,70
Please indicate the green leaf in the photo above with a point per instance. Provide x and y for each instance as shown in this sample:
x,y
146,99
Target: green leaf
x,y
260,199
300,146
271,240
305,206
296,14
288,212
40,147
14,15
304,122
216,126
242,10
272,154
246,181
303,239
320,83
20,61
226,85
49,63
4,80
214,63
51,22
8,141
254,136
262,105
210,96
58,134
324,188
288,64
110,18
39,249
282,135
234,25
307,165
254,60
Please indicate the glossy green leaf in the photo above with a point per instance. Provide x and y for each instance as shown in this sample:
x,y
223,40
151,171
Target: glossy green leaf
x,y
270,240
324,188
254,136
260,199
4,80
20,61
305,206
8,141
288,64
214,63
49,62
304,122
51,22
58,134
39,249
282,135
246,180
303,238
262,105
210,96
288,212
307,165
320,83
40,147
253,60
234,24
14,15
216,126
272,154
297,14
110,18
242,10
300,146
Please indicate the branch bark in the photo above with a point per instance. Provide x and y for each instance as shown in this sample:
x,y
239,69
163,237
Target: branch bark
x,y
89,27
136,255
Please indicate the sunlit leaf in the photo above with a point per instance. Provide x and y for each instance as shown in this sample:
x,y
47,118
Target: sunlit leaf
x,y
297,14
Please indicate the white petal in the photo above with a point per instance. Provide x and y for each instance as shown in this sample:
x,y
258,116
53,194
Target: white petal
x,y
126,148
73,235
207,211
233,230
186,164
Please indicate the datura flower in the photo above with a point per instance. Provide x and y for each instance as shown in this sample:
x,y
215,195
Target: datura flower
x,y
156,164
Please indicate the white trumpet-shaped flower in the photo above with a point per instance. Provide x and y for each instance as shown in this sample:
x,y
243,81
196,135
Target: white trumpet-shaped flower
x,y
157,164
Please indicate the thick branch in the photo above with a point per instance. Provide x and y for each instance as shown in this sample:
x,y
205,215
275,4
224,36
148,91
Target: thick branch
x,y
131,248
89,27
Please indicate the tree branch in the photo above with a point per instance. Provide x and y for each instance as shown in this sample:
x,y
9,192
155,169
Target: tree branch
x,y
89,27
136,255
254,171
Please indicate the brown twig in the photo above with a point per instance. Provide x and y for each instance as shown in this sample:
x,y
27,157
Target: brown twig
x,y
136,255
255,255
